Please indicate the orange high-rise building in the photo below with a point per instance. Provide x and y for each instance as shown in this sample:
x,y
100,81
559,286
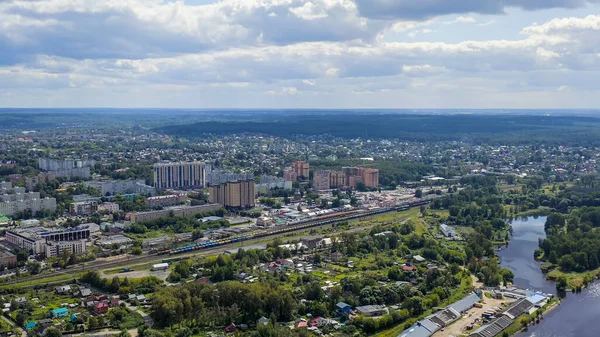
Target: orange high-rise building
x,y
301,168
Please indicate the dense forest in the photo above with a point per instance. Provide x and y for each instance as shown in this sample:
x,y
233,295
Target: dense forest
x,y
572,242
491,129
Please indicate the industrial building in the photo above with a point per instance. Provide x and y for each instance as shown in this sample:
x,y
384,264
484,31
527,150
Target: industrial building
x,y
83,207
116,187
432,323
165,200
174,211
180,175
237,194
41,240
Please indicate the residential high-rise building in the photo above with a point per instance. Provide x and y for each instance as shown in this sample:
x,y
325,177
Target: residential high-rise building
x,y
217,177
236,194
337,179
301,168
268,182
355,175
321,180
48,164
11,204
179,175
370,177
115,187
290,175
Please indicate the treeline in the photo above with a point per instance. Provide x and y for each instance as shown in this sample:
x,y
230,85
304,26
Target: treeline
x,y
572,244
198,304
177,224
122,286
492,129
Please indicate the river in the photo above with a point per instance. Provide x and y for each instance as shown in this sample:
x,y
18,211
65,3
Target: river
x,y
578,315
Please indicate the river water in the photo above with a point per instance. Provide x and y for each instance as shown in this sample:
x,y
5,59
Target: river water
x,y
578,315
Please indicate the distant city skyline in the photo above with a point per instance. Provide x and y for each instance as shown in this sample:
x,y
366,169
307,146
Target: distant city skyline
x,y
334,54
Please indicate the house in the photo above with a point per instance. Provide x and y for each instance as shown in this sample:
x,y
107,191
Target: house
x,y
448,231
30,325
203,280
84,292
418,258
101,308
408,268
230,328
63,290
301,324
114,302
317,322
59,313
313,243
21,300
262,321
43,324
372,310
337,257
343,308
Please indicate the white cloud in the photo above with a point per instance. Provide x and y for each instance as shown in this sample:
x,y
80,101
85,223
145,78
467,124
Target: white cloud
x,y
309,11
232,47
462,19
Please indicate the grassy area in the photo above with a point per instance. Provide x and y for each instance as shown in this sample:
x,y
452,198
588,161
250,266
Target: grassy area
x,y
42,281
131,321
542,210
574,280
137,267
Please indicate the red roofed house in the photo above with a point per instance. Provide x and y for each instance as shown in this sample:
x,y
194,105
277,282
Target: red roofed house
x,y
301,324
408,268
230,328
101,308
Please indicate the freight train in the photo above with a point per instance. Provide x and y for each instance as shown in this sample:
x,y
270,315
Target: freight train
x,y
320,221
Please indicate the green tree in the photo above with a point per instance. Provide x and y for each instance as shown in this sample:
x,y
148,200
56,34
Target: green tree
x,y
53,332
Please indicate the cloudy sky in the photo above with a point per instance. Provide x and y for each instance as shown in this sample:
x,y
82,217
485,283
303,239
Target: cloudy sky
x,y
300,53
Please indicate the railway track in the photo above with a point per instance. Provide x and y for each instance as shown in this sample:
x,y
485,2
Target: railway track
x,y
221,247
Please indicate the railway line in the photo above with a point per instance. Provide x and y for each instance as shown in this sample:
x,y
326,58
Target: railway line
x,y
220,246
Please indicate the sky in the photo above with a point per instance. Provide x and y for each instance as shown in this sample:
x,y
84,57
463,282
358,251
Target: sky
x,y
339,54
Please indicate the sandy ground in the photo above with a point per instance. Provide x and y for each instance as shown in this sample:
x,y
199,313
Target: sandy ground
x,y
162,274
459,327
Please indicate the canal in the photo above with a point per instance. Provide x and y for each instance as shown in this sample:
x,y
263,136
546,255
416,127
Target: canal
x,y
578,315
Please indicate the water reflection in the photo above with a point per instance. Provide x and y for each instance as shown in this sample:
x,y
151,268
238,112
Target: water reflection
x,y
577,316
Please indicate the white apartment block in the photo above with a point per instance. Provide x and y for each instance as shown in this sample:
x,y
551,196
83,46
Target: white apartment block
x,y
10,204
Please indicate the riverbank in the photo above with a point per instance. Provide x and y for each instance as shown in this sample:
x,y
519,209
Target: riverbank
x,y
517,326
574,280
